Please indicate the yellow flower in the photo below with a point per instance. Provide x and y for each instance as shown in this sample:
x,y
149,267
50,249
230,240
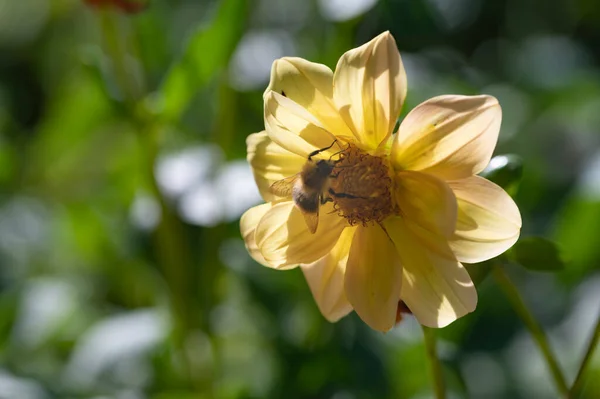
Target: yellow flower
x,y
404,209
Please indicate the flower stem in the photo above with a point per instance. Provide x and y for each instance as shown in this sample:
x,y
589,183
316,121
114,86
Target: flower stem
x,y
173,251
533,326
430,341
578,384
114,45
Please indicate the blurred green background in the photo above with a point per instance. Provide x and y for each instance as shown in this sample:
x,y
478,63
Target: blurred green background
x,y
123,177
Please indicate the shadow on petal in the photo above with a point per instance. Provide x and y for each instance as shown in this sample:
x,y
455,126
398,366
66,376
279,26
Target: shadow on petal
x,y
436,287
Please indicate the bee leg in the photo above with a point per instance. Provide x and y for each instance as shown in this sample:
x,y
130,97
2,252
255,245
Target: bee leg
x,y
344,195
325,199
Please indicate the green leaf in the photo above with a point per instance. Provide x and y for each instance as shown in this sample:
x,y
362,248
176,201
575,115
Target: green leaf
x,y
576,233
506,171
538,254
207,52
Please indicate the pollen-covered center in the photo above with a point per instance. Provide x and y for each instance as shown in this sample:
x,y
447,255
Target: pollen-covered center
x,y
361,187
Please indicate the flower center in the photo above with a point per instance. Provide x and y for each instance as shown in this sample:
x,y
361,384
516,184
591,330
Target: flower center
x,y
361,187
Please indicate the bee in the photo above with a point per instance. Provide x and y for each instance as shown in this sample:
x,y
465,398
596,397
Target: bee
x,y
308,187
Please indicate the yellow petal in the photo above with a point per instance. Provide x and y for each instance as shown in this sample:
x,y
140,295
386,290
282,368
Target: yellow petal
x,y
427,201
325,278
373,277
369,87
248,224
293,127
451,136
310,85
437,289
270,162
489,221
285,241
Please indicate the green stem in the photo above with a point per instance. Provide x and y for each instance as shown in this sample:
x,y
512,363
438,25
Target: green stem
x,y
430,341
173,250
533,326
114,45
577,388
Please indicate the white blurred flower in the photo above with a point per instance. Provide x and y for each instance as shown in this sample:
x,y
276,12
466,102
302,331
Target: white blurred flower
x,y
206,190
12,387
116,345
343,10
251,61
177,173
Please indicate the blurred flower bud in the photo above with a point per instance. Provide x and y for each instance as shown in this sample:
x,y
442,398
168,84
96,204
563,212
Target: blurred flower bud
x,y
128,6
402,308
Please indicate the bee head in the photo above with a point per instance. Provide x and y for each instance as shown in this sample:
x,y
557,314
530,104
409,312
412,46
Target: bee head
x,y
324,166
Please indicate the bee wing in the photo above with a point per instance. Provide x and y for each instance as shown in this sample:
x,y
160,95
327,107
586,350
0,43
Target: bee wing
x,y
312,220
284,187
308,204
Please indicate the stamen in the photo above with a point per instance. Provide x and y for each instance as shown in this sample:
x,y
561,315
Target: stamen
x,y
361,187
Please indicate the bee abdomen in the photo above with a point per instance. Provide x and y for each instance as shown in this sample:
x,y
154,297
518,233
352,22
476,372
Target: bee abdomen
x,y
306,202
